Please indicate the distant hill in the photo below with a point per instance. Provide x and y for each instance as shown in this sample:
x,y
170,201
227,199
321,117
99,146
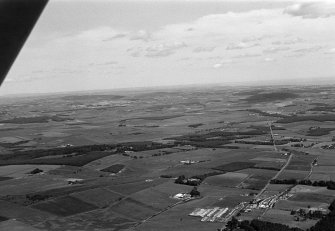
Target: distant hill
x,y
269,97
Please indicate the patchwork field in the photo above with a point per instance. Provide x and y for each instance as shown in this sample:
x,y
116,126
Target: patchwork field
x,y
31,184
19,171
230,179
284,217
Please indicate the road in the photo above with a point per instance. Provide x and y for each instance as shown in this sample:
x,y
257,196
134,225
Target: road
x,y
156,214
311,171
265,187
278,173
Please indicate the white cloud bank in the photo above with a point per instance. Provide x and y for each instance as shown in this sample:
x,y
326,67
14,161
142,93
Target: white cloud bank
x,y
312,9
300,39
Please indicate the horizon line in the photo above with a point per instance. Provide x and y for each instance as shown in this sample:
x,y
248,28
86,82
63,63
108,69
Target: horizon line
x,y
252,83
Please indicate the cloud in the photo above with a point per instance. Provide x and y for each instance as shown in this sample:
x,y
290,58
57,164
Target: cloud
x,y
222,63
165,49
9,80
330,51
28,78
117,36
308,49
136,54
223,28
38,71
217,65
203,49
293,41
246,55
212,42
277,42
159,53
25,78
241,45
268,59
108,63
141,35
157,50
272,50
311,9
103,33
135,51
288,41
256,38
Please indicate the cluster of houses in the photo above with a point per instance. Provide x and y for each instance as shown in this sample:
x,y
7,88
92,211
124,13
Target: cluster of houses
x,y
74,181
188,162
329,146
268,202
182,196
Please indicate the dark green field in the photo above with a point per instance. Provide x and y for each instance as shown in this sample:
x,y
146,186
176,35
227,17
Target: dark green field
x,y
65,206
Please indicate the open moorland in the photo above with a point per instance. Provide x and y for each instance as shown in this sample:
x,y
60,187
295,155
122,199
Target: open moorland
x,y
192,158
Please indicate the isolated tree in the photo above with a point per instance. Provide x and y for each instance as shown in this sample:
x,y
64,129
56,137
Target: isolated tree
x,y
180,179
36,170
195,192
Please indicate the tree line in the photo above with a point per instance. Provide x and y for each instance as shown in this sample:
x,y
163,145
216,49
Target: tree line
x,y
321,183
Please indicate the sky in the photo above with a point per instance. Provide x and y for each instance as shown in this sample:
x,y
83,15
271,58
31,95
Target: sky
x,y
108,44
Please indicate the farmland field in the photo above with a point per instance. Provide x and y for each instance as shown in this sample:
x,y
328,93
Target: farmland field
x,y
284,217
230,179
133,209
162,199
107,161
98,196
293,174
314,197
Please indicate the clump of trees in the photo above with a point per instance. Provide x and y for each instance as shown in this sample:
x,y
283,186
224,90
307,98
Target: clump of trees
x,y
37,197
188,181
317,131
166,176
308,215
194,180
204,176
195,125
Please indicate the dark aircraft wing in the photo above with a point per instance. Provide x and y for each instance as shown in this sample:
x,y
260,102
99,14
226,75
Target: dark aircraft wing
x,y
17,19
